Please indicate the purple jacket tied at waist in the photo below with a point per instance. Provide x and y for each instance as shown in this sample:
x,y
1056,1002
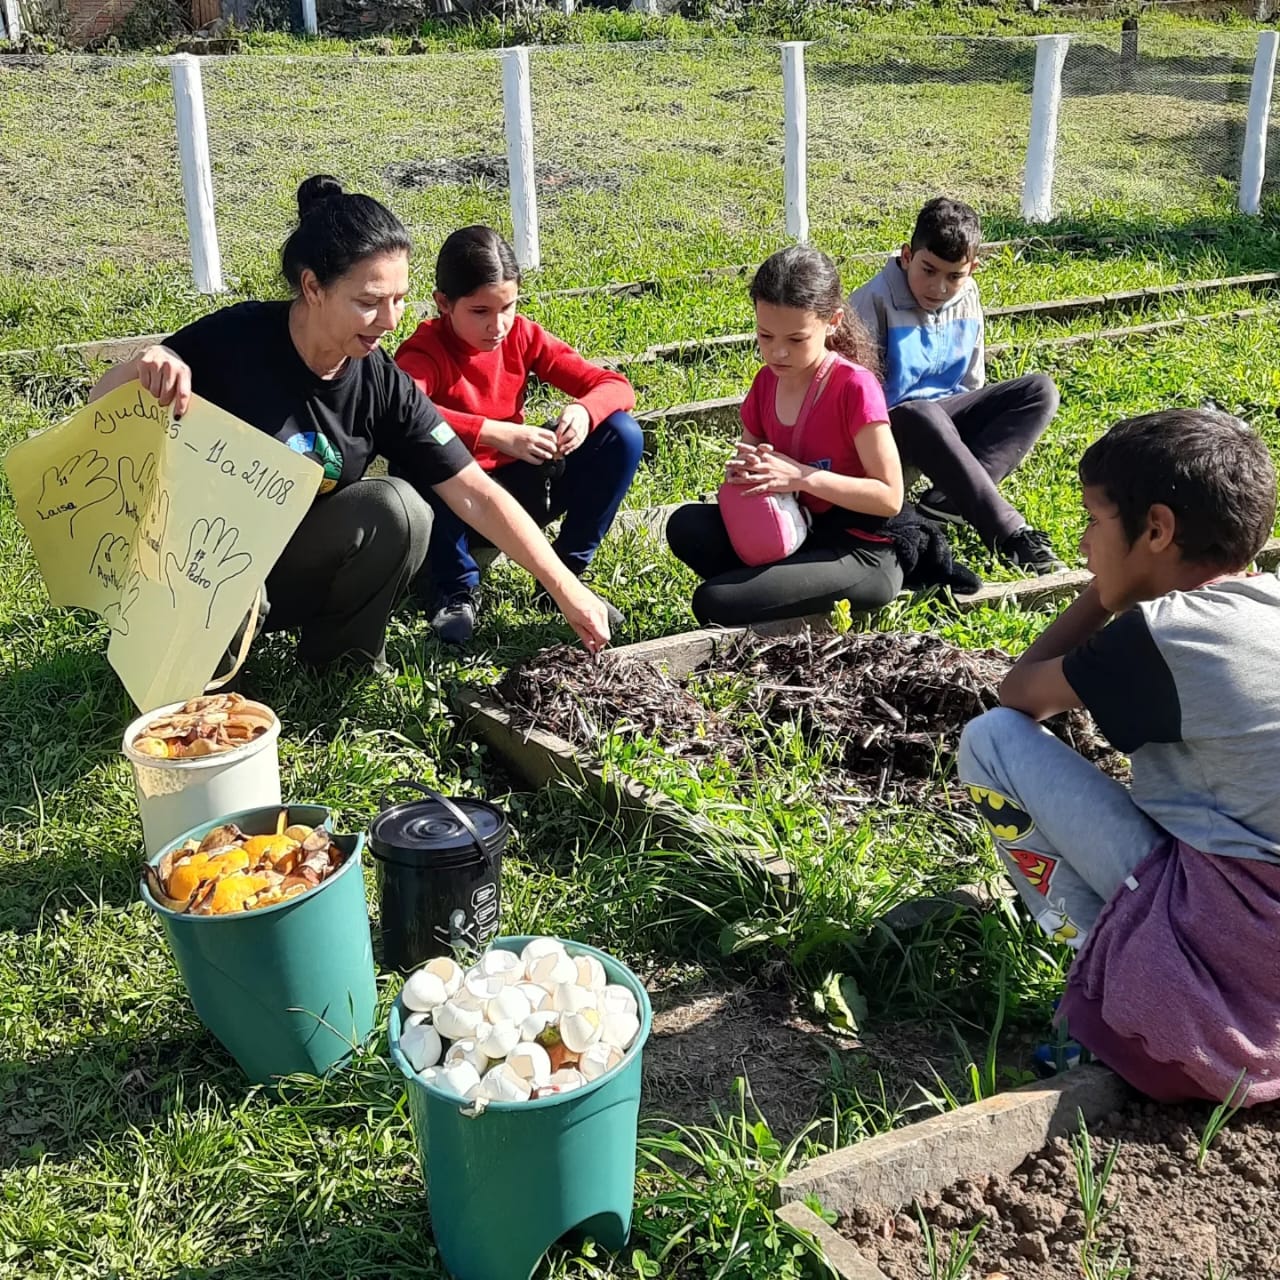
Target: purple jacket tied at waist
x,y
1177,987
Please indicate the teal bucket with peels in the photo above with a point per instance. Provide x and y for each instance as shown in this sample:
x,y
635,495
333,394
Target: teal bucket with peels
x,y
286,989
505,1180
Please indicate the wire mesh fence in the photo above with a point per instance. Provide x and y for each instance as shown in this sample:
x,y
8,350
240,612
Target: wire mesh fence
x,y
1157,124
656,156
88,166
650,159
422,134
895,121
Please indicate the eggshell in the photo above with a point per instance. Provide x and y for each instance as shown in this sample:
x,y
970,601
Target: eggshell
x,y
619,1029
580,1030
467,1050
532,1026
536,948
459,1078
482,987
565,1080
448,970
509,1005
502,1084
618,999
530,1061
423,991
591,973
552,969
568,997
538,997
598,1059
496,963
420,1043
456,1021
496,1040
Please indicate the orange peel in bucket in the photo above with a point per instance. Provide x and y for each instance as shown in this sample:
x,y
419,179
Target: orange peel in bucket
x,y
229,872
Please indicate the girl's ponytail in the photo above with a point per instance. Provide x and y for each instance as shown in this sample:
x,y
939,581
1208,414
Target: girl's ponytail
x,y
852,341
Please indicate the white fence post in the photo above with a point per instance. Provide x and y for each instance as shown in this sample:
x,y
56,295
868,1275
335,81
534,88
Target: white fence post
x,y
197,174
13,20
1253,163
310,20
517,106
646,6
1042,144
795,110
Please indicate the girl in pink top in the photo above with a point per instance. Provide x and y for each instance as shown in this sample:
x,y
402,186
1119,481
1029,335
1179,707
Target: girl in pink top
x,y
814,424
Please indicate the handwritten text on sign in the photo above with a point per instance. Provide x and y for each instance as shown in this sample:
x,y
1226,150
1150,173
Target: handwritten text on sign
x,y
165,528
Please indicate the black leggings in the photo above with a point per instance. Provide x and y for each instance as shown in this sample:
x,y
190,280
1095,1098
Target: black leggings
x,y
829,567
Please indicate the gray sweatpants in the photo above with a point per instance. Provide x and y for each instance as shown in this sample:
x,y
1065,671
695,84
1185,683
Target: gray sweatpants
x,y
343,570
1069,836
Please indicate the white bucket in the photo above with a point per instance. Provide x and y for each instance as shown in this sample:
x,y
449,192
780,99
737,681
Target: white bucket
x,y
176,795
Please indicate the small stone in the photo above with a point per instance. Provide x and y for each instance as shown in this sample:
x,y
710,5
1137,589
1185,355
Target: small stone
x,y
1034,1247
906,1227
1167,1169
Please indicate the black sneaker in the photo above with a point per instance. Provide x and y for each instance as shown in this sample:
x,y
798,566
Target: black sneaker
x,y
454,622
1029,549
935,505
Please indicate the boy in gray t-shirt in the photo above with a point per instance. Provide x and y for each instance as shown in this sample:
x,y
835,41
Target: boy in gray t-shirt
x,y
1170,889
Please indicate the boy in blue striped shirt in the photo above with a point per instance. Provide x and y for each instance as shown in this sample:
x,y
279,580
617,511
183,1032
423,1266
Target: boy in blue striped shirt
x,y
924,311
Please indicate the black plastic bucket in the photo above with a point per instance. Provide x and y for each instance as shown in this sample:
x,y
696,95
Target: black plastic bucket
x,y
439,865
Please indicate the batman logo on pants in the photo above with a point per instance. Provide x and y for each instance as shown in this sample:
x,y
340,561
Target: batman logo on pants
x,y
1006,820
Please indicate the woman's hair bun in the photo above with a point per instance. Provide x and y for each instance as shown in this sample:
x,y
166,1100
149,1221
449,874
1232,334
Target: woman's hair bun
x,y
315,191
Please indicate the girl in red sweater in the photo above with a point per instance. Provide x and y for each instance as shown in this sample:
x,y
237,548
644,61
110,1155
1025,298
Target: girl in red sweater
x,y
473,361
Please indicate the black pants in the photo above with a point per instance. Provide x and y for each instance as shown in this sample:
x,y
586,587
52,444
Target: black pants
x,y
343,570
829,567
967,444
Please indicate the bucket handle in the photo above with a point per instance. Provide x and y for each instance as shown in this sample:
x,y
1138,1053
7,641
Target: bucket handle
x,y
468,825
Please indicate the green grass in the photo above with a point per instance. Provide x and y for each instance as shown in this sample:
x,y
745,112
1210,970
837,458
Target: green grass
x,y
129,1145
666,154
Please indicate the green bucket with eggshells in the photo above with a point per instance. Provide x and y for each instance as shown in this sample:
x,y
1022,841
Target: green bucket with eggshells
x,y
523,1078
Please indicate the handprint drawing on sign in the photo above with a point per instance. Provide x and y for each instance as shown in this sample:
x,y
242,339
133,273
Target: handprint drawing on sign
x,y
210,561
79,483
117,614
133,485
155,523
110,560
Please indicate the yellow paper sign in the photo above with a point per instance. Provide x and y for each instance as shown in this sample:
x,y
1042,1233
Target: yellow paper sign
x,y
166,528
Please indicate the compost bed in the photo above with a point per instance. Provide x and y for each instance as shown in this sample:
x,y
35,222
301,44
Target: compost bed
x,y
895,702
1172,1220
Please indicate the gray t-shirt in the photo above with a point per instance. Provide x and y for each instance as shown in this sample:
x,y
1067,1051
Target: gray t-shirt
x,y
1189,687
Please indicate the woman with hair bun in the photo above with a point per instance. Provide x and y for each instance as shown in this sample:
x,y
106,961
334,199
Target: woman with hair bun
x,y
310,373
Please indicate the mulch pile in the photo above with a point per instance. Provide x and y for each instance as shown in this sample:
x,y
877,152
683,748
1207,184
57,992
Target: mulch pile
x,y
1170,1219
898,703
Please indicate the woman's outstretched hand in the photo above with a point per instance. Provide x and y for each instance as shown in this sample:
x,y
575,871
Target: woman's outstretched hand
x,y
587,615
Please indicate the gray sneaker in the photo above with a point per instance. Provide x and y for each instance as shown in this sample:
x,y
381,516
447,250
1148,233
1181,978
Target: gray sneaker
x,y
454,622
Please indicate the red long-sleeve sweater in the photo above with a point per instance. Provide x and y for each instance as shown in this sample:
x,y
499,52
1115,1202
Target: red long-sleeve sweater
x,y
468,386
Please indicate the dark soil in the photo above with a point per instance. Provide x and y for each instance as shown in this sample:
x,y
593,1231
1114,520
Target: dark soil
x,y
491,171
897,702
1169,1219
705,1038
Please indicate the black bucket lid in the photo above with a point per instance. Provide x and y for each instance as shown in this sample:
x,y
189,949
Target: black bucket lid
x,y
438,825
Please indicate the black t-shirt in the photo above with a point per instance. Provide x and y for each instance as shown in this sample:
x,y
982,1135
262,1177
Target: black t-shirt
x,y
244,361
